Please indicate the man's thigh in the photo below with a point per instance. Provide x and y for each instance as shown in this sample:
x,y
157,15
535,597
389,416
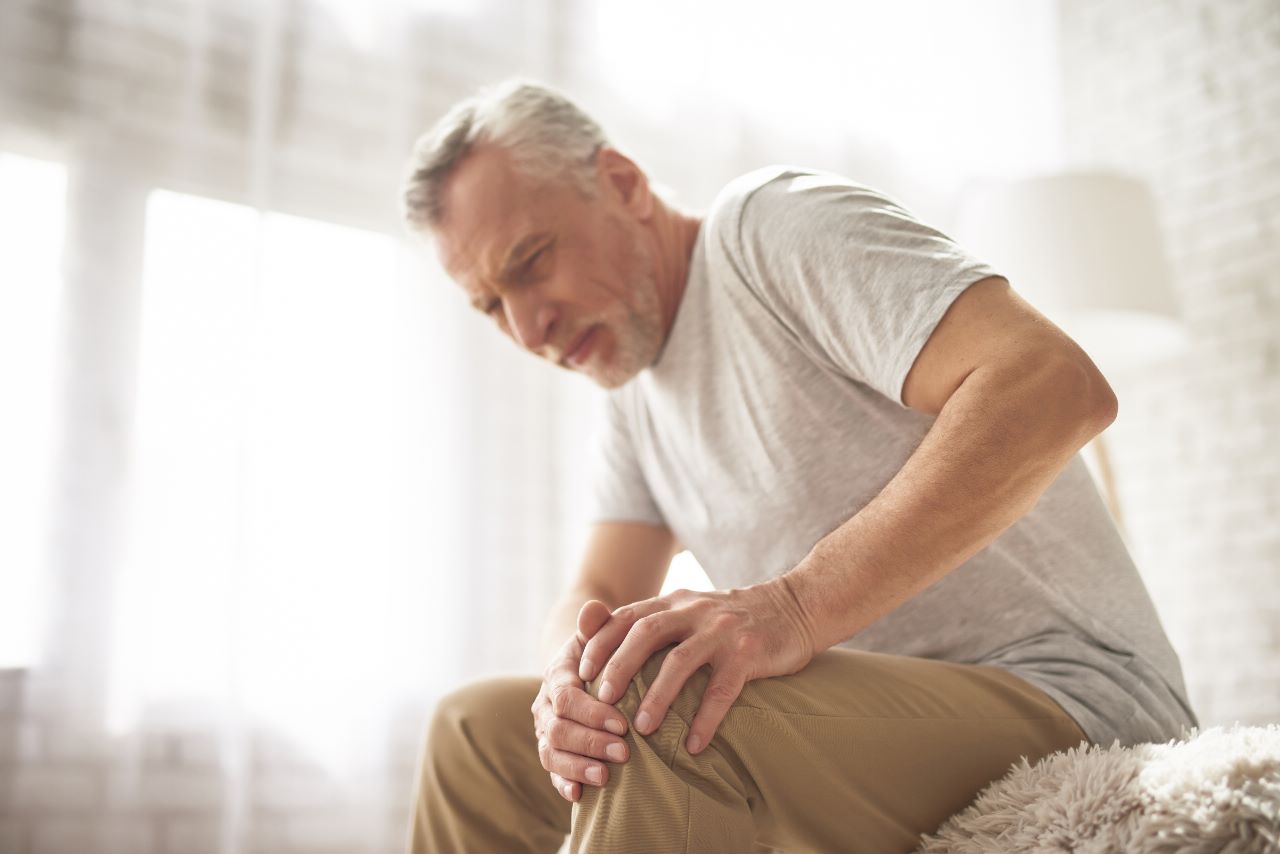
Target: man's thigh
x,y
864,750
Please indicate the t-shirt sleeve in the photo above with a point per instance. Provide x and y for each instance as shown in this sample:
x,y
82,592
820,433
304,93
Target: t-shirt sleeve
x,y
618,487
856,278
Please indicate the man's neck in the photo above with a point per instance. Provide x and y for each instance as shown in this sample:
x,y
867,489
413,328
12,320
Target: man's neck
x,y
675,234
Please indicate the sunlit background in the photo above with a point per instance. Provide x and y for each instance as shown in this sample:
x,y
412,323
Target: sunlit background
x,y
268,488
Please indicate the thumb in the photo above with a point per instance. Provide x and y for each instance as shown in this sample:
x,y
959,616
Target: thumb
x,y
593,615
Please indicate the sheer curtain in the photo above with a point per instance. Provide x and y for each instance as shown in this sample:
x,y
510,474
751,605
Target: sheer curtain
x,y
298,490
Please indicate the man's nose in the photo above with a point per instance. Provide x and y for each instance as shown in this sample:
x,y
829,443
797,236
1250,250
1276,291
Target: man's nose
x,y
531,320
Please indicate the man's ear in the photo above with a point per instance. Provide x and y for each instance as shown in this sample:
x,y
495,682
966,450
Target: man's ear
x,y
624,182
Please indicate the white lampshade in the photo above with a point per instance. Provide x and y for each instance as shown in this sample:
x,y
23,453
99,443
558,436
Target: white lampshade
x,y
1085,249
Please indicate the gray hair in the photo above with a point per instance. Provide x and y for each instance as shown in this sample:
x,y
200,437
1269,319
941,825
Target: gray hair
x,y
548,136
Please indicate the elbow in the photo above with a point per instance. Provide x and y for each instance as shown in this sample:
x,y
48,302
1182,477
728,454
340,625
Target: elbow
x,y
1110,408
1097,397
1106,406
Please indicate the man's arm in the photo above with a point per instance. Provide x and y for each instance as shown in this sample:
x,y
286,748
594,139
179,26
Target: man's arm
x,y
1015,399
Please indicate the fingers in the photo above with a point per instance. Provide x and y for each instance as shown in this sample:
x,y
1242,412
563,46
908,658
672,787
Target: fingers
x,y
571,766
647,635
568,789
570,751
677,667
723,688
572,737
576,732
570,701
606,639
591,617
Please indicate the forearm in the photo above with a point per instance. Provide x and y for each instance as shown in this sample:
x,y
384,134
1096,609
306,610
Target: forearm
x,y
998,442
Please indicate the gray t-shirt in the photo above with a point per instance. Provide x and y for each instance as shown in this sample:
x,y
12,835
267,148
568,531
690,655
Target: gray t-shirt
x,y
773,413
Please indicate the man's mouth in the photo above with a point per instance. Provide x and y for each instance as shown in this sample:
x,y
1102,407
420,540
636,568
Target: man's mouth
x,y
581,349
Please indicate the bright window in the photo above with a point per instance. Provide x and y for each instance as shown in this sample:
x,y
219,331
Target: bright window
x,y
275,548
32,209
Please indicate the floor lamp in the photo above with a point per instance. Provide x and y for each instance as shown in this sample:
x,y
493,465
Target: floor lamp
x,y
1085,249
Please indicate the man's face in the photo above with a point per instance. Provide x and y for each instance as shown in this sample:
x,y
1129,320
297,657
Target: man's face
x,y
556,271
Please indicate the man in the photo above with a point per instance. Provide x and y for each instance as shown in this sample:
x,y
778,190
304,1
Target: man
x,y
870,443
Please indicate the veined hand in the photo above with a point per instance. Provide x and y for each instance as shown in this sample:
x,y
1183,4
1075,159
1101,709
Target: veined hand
x,y
574,729
744,634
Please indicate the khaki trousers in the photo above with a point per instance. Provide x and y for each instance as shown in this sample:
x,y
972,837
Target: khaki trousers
x,y
857,752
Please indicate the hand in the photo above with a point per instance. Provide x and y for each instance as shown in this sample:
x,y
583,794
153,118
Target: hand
x,y
744,634
574,729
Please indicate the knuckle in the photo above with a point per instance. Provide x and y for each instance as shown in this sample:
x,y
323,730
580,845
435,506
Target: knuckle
x,y
722,693
645,626
657,696
557,731
561,700
724,621
748,644
567,766
702,603
680,657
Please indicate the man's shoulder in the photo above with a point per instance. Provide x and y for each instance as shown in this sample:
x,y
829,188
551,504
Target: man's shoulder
x,y
779,190
738,190
723,219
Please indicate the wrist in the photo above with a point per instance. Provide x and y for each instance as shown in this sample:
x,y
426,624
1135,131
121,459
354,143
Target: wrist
x,y
782,593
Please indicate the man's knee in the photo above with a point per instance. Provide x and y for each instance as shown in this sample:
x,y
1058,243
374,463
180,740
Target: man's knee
x,y
686,701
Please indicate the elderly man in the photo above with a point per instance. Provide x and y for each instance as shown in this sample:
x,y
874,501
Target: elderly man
x,y
871,444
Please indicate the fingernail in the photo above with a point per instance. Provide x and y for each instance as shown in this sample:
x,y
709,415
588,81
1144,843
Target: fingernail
x,y
568,791
595,774
616,727
606,692
616,752
694,744
585,669
642,722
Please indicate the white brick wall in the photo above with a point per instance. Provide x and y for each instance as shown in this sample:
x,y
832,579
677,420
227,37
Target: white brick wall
x,y
1186,94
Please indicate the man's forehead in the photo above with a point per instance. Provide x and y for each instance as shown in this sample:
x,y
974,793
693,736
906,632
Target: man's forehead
x,y
489,208
481,254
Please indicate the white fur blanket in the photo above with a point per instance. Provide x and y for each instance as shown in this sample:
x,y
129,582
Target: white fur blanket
x,y
1216,790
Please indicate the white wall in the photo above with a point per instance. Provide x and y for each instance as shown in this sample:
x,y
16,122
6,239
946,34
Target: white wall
x,y
1187,96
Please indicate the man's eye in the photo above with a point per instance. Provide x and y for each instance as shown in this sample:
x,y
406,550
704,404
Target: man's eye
x,y
527,267
492,307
